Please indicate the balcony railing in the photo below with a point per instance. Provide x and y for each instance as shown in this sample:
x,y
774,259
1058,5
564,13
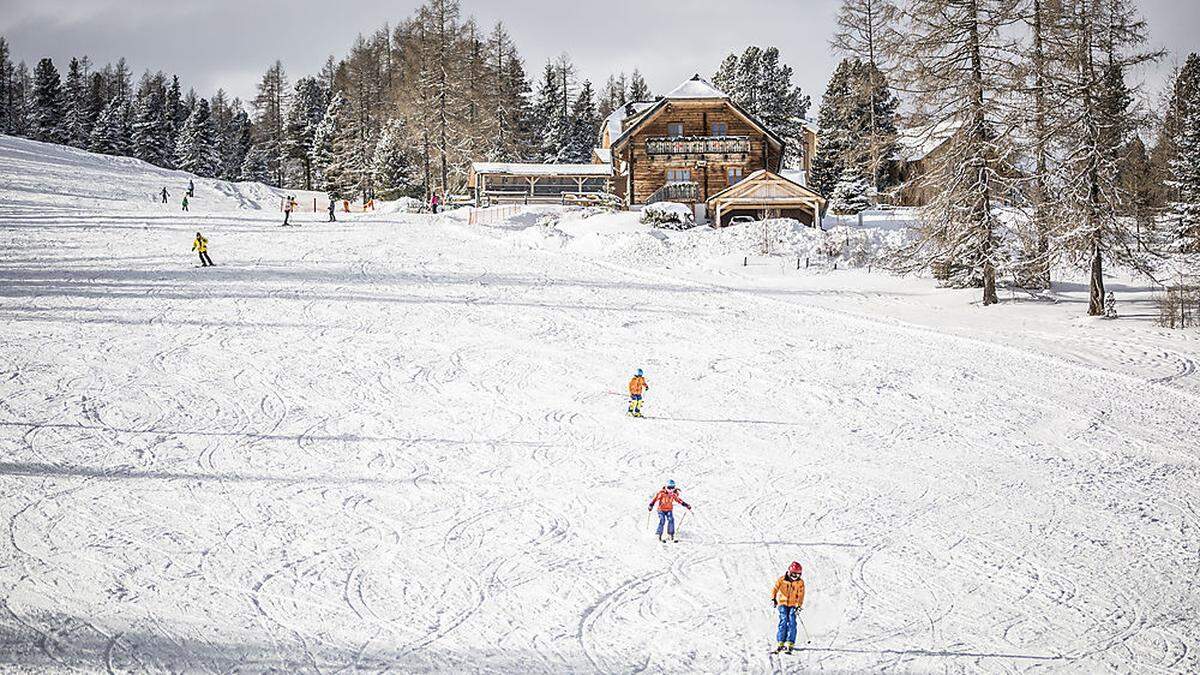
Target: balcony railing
x,y
685,193
698,145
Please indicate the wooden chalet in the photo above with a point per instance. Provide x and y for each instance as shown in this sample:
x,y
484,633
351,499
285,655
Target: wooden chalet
x,y
693,144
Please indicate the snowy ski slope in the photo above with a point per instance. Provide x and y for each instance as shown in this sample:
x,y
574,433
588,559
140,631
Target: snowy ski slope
x,y
398,443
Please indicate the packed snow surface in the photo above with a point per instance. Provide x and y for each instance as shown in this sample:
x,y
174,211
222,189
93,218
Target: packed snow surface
x,y
398,442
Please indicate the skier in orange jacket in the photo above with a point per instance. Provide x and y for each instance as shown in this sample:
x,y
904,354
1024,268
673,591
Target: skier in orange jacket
x,y
667,498
637,387
788,597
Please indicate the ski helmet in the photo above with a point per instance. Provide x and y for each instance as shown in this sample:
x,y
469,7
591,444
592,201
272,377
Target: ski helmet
x,y
795,568
639,373
670,484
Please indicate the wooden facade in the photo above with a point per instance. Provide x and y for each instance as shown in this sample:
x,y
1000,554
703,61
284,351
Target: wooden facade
x,y
699,137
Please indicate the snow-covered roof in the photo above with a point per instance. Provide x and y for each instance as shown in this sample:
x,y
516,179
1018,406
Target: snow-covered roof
x,y
530,169
603,154
697,87
614,120
916,143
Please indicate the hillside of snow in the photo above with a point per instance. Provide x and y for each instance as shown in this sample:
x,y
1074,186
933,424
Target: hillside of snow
x,y
40,178
398,442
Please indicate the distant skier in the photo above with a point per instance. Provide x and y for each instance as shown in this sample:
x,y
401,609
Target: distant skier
x,y
185,203
434,202
788,598
332,209
164,195
666,498
637,387
191,188
345,206
201,245
287,210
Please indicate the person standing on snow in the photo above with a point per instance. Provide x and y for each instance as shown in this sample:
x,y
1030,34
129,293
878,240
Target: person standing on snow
x,y
185,203
637,387
434,202
788,598
287,211
332,208
666,498
191,188
164,195
201,245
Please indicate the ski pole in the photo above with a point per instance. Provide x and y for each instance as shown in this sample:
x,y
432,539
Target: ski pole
x,y
807,637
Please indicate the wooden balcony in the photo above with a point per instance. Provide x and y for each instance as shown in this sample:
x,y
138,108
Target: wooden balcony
x,y
692,146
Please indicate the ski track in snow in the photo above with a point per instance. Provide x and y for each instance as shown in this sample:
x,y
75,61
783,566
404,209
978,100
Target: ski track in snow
x,y
399,443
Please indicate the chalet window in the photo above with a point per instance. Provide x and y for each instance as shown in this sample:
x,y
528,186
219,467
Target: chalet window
x,y
733,175
679,176
675,129
720,128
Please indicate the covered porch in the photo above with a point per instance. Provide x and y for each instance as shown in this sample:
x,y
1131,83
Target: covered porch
x,y
764,194
528,183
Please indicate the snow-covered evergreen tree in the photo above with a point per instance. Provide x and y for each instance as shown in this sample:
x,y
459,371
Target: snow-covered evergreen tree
x,y
341,167
853,193
234,142
583,127
835,144
392,170
256,166
76,123
47,104
151,130
6,88
196,148
307,110
110,135
1185,169
549,125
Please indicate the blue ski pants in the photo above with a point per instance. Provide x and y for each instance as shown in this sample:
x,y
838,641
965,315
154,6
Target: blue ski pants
x,y
667,517
787,624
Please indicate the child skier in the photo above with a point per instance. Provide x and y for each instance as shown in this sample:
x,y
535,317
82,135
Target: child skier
x,y
164,195
201,245
332,218
637,386
788,598
666,498
191,188
434,202
287,210
185,203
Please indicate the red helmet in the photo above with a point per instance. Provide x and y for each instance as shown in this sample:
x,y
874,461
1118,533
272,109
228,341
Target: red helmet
x,y
795,568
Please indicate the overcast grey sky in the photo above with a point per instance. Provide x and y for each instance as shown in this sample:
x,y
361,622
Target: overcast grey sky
x,y
229,43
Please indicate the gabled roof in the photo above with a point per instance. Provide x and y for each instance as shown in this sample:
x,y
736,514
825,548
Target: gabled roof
x,y
695,89
766,186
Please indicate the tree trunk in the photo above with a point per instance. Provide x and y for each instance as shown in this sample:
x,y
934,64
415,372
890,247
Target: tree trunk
x,y
1096,283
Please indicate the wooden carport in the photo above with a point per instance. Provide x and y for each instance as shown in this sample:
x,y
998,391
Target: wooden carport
x,y
766,194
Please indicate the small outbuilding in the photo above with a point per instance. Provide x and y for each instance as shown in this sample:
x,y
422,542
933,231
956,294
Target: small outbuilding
x,y
765,194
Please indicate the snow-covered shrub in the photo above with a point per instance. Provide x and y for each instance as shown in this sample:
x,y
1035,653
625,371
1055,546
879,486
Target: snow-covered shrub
x,y
668,215
409,205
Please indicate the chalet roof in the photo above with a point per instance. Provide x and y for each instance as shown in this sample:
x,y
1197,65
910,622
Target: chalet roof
x,y
531,169
697,87
603,154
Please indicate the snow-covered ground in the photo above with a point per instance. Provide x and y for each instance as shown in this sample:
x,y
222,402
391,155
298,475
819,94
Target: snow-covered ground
x,y
398,442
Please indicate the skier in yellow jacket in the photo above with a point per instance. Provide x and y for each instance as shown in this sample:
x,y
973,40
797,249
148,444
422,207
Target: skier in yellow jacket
x,y
788,598
201,245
